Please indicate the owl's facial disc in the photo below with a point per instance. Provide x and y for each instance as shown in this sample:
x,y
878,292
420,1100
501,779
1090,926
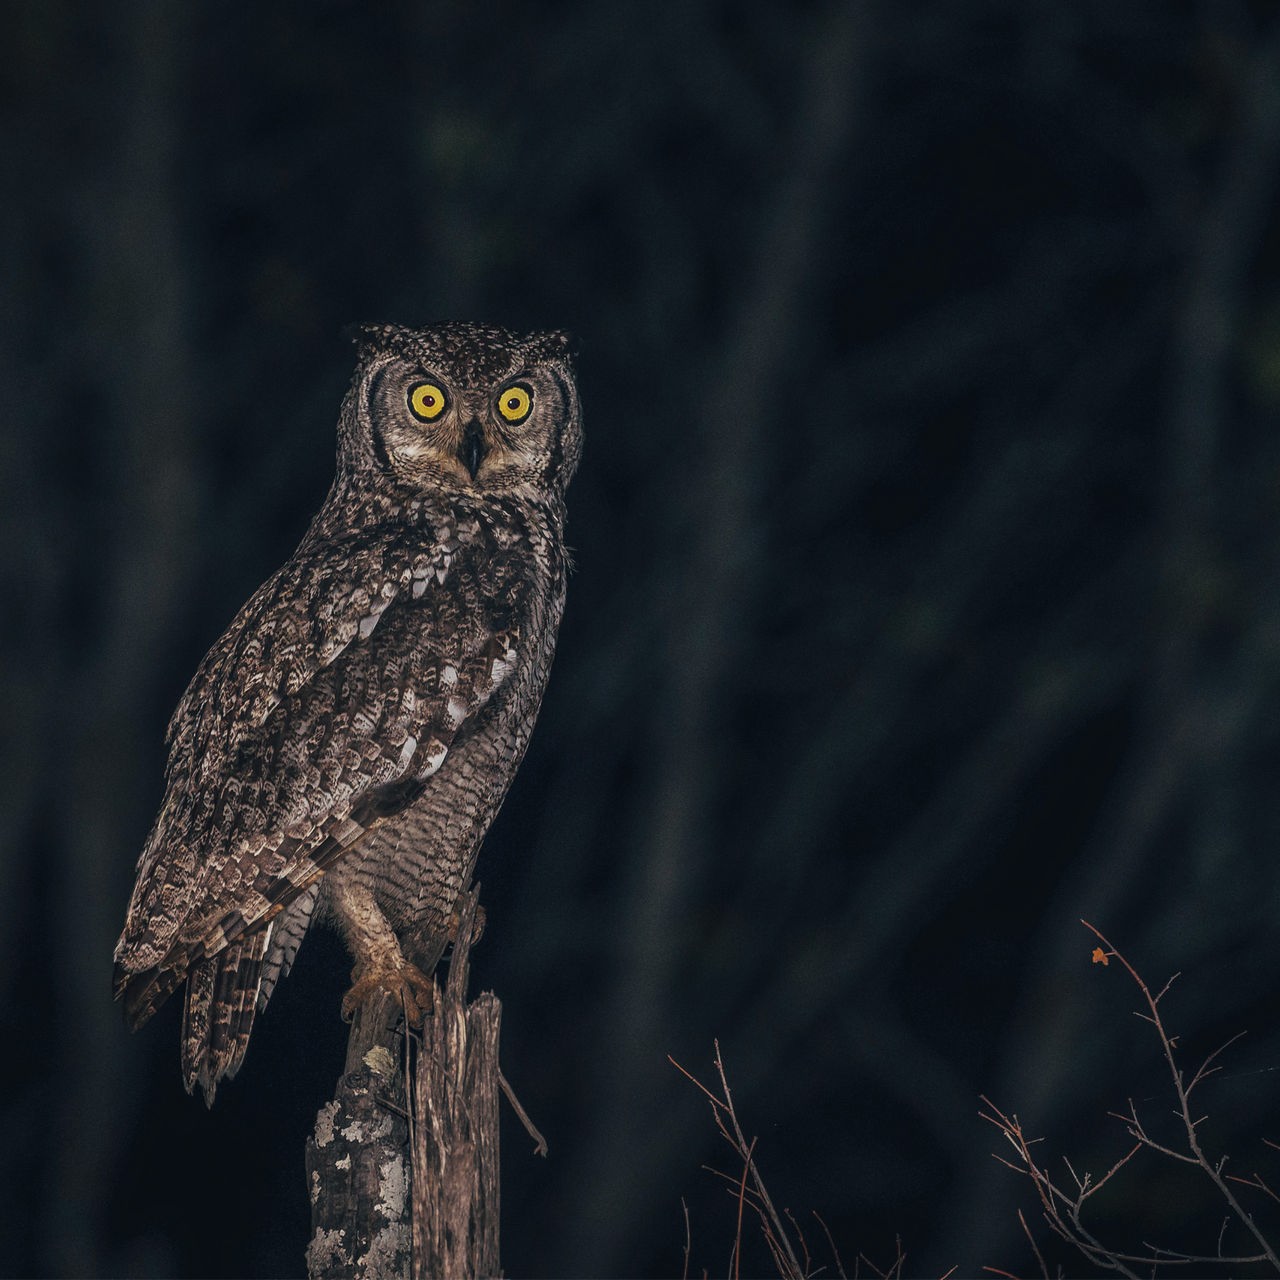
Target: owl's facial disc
x,y
433,430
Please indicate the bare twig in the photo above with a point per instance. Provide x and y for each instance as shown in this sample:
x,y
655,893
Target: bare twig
x,y
688,1239
742,1197
749,1190
540,1143
1257,1183
895,1270
1035,1248
1183,1092
835,1253
1062,1208
773,1218
804,1244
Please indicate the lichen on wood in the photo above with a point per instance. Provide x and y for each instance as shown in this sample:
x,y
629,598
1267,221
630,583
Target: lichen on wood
x,y
404,1182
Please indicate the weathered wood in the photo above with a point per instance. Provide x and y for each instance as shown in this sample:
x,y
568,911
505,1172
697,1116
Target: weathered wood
x,y
358,1176
455,1139
377,1024
399,1190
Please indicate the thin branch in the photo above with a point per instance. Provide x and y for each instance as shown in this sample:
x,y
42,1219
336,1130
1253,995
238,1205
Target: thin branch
x,y
804,1244
778,1224
748,1188
1035,1248
711,1097
1062,1208
688,1239
1182,1092
835,1253
540,1143
895,1271
742,1196
1257,1183
1205,1069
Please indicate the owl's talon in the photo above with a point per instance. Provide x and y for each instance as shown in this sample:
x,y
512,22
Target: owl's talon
x,y
415,990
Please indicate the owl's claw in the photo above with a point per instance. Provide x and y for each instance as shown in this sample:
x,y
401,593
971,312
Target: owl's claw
x,y
414,989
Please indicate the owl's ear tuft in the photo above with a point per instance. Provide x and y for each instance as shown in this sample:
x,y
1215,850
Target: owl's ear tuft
x,y
368,336
556,344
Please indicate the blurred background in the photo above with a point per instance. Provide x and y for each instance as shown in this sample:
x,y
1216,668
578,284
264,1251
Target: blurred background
x,y
926,599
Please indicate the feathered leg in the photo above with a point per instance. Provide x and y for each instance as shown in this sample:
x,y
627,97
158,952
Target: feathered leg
x,y
380,964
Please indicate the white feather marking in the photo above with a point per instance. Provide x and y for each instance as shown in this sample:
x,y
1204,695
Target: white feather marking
x,y
419,586
432,757
367,624
455,711
448,676
406,752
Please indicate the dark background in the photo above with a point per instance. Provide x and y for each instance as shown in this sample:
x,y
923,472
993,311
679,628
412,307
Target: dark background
x,y
926,603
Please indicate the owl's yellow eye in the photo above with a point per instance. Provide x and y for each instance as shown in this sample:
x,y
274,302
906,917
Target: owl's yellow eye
x,y
427,401
514,403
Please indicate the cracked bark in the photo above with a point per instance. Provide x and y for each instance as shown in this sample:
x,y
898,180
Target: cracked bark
x,y
455,1140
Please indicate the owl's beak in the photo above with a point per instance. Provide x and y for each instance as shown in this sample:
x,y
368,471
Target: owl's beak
x,y
472,450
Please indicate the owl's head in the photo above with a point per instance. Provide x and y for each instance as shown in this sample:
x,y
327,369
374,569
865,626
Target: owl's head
x,y
463,408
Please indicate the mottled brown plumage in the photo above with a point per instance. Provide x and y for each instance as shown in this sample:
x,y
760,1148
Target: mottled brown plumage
x,y
343,748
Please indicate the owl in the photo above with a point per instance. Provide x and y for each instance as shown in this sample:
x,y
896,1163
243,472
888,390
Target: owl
x,y
342,750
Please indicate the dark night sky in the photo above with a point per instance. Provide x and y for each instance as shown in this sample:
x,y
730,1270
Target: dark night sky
x,y
926,541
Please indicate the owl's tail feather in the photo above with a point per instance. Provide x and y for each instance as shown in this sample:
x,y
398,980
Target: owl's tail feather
x,y
144,991
222,994
286,937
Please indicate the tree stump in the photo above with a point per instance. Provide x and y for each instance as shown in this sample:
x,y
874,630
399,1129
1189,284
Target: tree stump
x,y
455,1138
358,1177
399,1190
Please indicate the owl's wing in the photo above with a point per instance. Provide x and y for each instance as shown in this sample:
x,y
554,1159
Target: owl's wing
x,y
306,725
299,621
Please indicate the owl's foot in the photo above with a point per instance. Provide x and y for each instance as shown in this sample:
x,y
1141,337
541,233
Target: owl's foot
x,y
412,987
